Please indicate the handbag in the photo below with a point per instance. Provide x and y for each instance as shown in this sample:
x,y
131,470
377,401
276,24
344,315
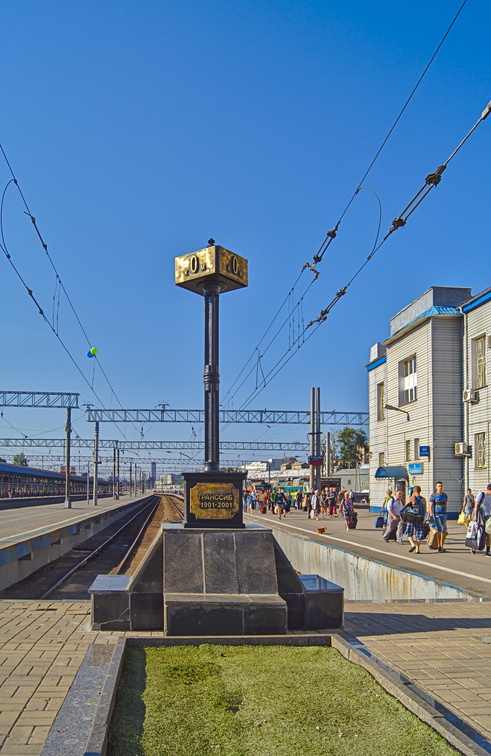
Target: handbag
x,y
487,527
472,536
463,518
408,514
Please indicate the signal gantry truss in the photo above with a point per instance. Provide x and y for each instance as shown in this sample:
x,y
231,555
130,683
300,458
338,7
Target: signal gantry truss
x,y
38,399
269,417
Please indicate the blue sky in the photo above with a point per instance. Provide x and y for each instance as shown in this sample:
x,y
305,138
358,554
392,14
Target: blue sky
x,y
138,130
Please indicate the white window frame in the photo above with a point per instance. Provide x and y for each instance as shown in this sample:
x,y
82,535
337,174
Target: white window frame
x,y
478,346
480,451
408,380
381,401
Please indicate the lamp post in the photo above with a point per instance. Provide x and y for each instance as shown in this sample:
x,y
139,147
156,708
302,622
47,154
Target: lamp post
x,y
396,409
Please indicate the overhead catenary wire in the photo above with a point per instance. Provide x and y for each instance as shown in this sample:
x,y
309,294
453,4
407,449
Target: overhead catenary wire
x,y
54,325
431,180
332,234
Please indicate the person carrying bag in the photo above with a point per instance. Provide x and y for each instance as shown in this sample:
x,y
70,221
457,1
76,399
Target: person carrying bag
x,y
413,515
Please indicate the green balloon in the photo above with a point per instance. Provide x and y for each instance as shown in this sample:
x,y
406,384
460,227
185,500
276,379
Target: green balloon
x,y
94,350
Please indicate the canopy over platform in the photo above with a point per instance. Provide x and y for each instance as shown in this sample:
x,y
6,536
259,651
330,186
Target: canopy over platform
x,y
398,472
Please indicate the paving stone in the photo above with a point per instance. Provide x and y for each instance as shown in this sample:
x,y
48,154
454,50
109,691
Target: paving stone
x,y
20,734
39,735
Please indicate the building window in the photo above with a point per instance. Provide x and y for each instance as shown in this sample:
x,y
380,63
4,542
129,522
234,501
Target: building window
x,y
416,448
479,362
408,450
380,401
381,459
408,381
480,447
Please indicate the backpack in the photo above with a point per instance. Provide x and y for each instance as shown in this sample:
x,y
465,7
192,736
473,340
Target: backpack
x,y
412,513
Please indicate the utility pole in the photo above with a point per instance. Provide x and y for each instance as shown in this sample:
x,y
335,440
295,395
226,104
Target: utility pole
x,y
114,473
96,464
315,459
328,454
117,473
131,482
68,503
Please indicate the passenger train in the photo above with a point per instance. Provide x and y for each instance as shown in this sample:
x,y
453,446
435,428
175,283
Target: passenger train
x,y
18,480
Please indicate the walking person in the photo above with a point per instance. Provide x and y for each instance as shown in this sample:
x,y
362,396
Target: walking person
x,y
438,513
280,503
482,510
298,499
416,508
469,503
331,500
315,505
395,505
347,510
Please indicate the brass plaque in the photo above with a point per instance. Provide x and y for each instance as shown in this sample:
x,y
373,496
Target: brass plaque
x,y
214,501
232,266
213,264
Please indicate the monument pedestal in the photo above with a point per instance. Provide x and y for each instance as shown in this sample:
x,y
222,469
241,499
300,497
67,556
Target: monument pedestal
x,y
221,582
215,582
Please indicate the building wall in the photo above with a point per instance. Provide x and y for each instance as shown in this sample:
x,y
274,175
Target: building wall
x,y
447,414
377,431
477,416
443,341
435,417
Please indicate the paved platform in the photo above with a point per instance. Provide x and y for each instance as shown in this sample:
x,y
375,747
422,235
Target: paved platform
x,y
457,566
445,647
18,524
442,646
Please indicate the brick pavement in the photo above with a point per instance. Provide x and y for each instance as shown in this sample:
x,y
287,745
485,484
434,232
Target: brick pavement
x,y
42,645
436,644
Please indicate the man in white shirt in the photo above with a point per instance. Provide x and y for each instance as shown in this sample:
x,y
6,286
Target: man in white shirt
x,y
395,506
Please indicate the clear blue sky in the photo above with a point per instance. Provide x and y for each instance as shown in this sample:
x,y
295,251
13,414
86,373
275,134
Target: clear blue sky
x,y
138,130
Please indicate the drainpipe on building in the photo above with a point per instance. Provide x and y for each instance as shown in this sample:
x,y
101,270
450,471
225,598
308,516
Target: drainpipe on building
x,y
465,408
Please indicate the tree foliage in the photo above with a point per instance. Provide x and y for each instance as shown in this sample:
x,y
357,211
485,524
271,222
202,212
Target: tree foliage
x,y
348,447
21,459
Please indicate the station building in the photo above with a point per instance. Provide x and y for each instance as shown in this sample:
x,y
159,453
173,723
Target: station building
x,y
429,402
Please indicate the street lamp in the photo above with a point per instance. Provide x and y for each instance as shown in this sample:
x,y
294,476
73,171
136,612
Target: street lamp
x,y
396,409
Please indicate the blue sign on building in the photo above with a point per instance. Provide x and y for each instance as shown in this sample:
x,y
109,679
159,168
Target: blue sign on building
x,y
424,451
416,468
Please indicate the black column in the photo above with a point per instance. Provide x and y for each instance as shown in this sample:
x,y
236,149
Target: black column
x,y
211,379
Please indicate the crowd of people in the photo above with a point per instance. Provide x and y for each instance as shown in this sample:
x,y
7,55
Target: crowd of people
x,y
416,518
330,502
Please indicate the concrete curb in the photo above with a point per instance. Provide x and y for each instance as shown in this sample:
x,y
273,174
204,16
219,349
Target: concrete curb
x,y
462,736
92,730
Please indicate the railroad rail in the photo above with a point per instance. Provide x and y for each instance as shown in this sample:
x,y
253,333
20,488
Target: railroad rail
x,y
152,505
70,575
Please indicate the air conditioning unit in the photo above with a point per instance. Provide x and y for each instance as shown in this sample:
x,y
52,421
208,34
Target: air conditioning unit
x,y
461,449
469,395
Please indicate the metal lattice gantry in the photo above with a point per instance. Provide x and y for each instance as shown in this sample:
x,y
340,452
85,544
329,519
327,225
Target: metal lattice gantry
x,y
56,460
52,399
81,443
269,417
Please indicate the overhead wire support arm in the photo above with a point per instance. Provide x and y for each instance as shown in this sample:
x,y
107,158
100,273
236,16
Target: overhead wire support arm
x,y
433,179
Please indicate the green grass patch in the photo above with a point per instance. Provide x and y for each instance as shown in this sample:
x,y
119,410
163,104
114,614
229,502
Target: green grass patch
x,y
259,701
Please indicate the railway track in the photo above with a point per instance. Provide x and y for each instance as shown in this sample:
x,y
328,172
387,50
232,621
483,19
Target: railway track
x,y
117,550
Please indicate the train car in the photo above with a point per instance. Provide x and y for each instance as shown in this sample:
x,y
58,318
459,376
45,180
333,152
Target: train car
x,y
21,481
